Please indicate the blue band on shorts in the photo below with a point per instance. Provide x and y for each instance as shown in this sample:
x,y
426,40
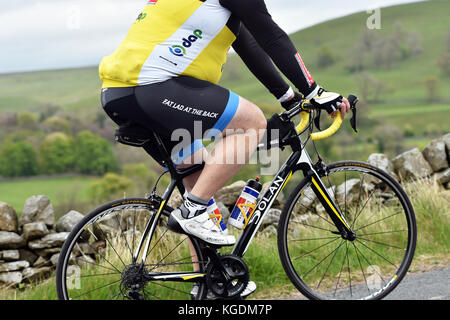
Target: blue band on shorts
x,y
220,125
187,151
227,116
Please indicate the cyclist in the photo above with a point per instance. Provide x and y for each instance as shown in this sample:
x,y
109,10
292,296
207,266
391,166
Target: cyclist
x,y
164,77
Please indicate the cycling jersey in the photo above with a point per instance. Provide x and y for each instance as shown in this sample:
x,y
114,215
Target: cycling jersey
x,y
172,38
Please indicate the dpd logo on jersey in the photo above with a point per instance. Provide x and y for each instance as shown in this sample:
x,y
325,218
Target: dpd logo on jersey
x,y
180,50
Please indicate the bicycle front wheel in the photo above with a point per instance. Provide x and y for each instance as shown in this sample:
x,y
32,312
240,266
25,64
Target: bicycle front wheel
x,y
97,259
323,265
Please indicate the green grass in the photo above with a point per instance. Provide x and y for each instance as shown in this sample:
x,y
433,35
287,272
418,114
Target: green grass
x,y
431,204
58,189
78,89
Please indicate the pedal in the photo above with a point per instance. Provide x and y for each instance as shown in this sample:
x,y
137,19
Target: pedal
x,y
173,225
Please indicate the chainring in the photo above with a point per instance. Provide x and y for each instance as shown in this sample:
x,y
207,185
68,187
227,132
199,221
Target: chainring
x,y
228,279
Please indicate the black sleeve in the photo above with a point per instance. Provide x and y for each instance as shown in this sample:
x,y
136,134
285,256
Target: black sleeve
x,y
259,63
273,40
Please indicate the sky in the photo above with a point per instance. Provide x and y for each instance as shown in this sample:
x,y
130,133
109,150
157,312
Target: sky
x,y
54,34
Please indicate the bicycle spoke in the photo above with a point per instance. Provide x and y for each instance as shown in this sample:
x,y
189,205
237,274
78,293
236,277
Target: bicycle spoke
x,y
319,215
106,239
348,268
339,277
383,232
360,265
99,265
164,233
104,286
369,263
307,253
305,274
376,252
315,227
381,243
164,286
359,213
102,256
367,225
331,261
157,264
123,236
312,239
98,275
361,182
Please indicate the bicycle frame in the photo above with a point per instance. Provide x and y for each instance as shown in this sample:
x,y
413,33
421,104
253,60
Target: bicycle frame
x,y
299,160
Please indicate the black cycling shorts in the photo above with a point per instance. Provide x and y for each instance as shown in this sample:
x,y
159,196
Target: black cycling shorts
x,y
183,111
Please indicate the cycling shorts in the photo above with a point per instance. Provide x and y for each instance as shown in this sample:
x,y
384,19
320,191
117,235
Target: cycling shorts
x,y
184,111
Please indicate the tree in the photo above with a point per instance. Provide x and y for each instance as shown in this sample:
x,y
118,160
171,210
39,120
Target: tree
x,y
108,187
432,89
325,57
389,139
27,120
56,154
370,88
444,63
94,155
17,159
447,41
56,124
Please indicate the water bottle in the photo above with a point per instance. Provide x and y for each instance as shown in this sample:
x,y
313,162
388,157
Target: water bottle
x,y
216,216
245,205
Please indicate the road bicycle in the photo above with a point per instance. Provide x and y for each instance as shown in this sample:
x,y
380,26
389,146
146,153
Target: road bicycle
x,y
347,231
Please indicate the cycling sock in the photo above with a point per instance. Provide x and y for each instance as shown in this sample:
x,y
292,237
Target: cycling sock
x,y
193,206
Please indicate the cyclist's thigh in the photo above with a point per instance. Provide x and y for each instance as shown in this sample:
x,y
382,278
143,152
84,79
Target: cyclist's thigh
x,y
248,116
187,110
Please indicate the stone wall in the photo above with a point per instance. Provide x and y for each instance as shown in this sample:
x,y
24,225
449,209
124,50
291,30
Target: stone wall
x,y
30,246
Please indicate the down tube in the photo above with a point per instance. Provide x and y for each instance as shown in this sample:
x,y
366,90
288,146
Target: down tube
x,y
264,204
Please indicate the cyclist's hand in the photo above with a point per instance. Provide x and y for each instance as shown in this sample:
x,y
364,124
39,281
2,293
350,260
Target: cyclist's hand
x,y
344,107
329,101
289,104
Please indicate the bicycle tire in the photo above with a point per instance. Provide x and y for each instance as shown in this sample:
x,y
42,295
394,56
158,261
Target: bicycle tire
x,y
113,264
306,266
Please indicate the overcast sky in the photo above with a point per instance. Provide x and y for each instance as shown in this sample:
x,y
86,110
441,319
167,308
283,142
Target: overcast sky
x,y
49,34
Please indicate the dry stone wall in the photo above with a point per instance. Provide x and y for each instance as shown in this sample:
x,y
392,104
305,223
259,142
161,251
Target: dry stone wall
x,y
30,246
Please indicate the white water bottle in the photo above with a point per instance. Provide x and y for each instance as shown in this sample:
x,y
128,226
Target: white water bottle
x,y
245,205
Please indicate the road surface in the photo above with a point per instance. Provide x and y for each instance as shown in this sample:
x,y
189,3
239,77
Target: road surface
x,y
430,285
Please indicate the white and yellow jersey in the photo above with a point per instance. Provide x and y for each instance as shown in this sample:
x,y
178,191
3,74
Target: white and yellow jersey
x,y
171,38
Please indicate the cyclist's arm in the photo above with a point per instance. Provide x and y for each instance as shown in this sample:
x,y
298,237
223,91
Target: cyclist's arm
x,y
260,65
275,42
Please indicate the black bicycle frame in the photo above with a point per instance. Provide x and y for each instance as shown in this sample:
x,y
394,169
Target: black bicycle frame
x,y
299,160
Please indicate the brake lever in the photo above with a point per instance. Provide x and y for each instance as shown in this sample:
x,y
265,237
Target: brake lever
x,y
317,119
353,100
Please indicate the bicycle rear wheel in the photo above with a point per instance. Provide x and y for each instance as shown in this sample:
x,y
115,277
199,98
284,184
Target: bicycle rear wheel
x,y
323,265
96,261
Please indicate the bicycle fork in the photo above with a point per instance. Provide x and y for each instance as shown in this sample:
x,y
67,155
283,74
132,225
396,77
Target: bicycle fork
x,y
331,208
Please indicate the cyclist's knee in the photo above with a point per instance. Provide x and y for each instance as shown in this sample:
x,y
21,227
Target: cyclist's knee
x,y
248,116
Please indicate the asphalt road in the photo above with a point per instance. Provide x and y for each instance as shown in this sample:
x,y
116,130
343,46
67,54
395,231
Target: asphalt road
x,y
430,285
427,285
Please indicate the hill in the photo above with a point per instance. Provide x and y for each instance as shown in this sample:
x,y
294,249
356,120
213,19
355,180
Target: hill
x,y
403,97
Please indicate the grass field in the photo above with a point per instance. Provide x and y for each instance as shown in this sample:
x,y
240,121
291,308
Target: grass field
x,y
58,189
431,204
78,89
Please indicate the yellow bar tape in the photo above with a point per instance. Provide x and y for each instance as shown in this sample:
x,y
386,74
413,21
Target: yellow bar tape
x,y
322,134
